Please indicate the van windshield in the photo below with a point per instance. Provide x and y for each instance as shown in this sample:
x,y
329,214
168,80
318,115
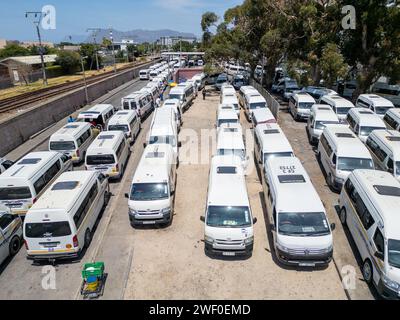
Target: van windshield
x,y
382,110
118,127
62,145
394,253
303,224
149,191
268,156
97,159
228,217
236,152
17,193
226,121
342,110
258,105
350,164
176,96
320,125
47,229
306,105
163,140
366,131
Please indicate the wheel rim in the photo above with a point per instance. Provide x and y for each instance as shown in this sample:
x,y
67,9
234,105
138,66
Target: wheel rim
x,y
15,246
343,216
367,272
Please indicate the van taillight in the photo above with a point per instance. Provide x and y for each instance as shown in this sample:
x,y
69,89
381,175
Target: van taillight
x,y
75,241
117,167
77,153
26,245
34,200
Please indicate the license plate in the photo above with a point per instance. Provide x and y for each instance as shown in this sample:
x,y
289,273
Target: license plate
x,y
50,249
149,222
307,264
229,254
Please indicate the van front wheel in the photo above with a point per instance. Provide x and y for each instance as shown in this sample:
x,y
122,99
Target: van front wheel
x,y
343,216
88,238
367,271
15,245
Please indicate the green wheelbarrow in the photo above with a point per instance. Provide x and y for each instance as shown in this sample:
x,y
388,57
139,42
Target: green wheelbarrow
x,y
94,279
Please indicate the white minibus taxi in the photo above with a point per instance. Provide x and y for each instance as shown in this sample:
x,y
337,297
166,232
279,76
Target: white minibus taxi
x,y
184,95
153,89
25,181
126,121
392,119
141,102
61,223
230,141
254,101
228,218
270,142
10,234
108,154
201,80
320,117
340,152
339,105
144,74
301,232
384,146
97,115
154,73
73,139
262,116
5,164
242,94
363,121
300,105
369,206
229,97
376,103
175,105
225,117
152,194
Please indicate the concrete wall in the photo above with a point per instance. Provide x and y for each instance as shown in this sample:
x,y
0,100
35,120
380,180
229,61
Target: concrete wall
x,y
20,128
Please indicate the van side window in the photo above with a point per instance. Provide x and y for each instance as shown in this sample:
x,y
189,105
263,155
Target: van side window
x,y
101,178
85,206
5,220
390,165
47,177
376,150
120,148
379,241
351,121
326,145
390,121
362,211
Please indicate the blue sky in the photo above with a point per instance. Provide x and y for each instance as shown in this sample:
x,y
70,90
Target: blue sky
x,y
73,17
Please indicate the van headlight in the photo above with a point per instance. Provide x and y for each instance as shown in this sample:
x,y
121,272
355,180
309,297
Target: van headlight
x,y
281,247
133,212
209,239
249,240
166,211
329,249
390,283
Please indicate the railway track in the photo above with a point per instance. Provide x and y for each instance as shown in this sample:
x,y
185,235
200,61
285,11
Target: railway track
x,y
29,98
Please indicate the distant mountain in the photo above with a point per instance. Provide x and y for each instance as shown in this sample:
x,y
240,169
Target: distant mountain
x,y
138,35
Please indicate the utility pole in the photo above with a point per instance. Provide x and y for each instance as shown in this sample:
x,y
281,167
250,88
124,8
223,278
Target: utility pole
x,y
113,51
84,79
94,35
39,15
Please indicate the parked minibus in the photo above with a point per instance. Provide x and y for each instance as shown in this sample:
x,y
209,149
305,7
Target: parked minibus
x,y
262,116
141,102
108,154
340,152
230,141
228,217
184,94
97,115
363,121
253,101
10,234
153,89
126,121
300,105
5,164
229,97
384,146
144,74
392,119
154,73
176,106
270,142
376,103
301,232
62,222
201,80
369,206
339,105
26,180
73,139
242,94
320,117
226,116
152,195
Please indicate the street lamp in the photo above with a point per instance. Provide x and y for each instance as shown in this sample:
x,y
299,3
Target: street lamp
x,y
39,15
84,78
113,51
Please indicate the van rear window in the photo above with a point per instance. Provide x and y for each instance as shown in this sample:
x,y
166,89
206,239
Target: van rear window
x,y
47,229
62,145
15,193
226,170
100,159
387,191
293,178
65,185
30,161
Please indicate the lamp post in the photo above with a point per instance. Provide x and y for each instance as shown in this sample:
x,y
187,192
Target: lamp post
x,y
39,15
113,51
84,79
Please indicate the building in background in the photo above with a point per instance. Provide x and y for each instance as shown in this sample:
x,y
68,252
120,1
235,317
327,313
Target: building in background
x,y
3,43
171,41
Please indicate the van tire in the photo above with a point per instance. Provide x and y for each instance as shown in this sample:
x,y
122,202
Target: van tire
x,y
319,157
343,216
15,245
367,271
88,238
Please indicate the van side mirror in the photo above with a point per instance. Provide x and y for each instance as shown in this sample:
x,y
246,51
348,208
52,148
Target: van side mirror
x,y
379,255
179,144
255,220
127,195
333,226
273,228
144,144
203,219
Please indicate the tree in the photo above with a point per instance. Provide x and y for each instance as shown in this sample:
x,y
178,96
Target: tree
x,y
106,42
89,50
69,61
186,46
13,50
332,64
208,20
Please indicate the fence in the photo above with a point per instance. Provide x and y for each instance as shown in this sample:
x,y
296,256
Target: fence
x,y
273,105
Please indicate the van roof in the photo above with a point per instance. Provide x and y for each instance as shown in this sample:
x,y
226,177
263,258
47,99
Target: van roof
x,y
105,142
28,166
394,113
70,130
346,142
294,189
376,100
389,138
230,139
263,114
338,101
227,189
367,117
227,114
177,90
303,97
95,111
255,97
122,117
377,185
324,112
154,165
171,102
272,138
64,192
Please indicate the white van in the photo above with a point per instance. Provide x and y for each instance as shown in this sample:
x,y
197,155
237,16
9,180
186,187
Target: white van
x,y
369,204
61,223
254,101
25,181
230,141
376,103
5,164
384,146
300,105
339,105
183,94
141,102
108,154
392,119
228,218
320,117
97,115
262,116
229,97
152,194
189,92
362,122
176,106
154,73
340,152
301,232
225,117
144,74
270,142
153,89
242,94
201,80
126,121
227,89
10,234
73,139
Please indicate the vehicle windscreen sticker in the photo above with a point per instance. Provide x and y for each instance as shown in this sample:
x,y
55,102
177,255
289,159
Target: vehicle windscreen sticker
x,y
230,223
308,229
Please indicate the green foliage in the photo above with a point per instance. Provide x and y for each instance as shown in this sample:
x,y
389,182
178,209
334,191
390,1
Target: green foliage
x,y
89,50
14,50
332,64
186,46
69,61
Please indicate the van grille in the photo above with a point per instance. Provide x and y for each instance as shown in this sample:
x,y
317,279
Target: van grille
x,y
151,212
306,252
229,242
